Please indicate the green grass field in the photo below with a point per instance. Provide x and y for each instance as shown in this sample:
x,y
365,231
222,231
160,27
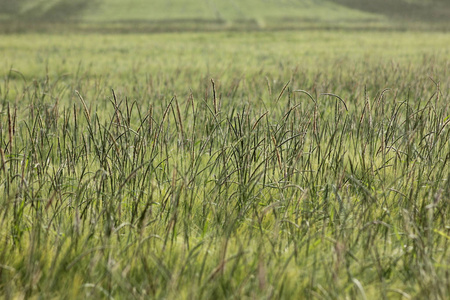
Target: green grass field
x,y
217,150
109,16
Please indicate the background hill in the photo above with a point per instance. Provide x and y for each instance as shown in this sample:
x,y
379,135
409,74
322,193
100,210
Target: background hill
x,y
183,15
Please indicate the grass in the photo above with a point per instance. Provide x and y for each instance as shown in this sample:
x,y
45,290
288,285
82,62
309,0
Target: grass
x,y
280,164
108,16
216,166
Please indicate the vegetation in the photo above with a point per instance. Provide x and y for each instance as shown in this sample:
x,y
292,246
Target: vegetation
x,y
214,15
204,165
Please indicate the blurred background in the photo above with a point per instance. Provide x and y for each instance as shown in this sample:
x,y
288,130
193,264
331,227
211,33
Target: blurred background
x,y
209,15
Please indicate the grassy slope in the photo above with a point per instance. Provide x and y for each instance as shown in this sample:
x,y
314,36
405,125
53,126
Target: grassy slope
x,y
435,11
159,15
112,10
141,10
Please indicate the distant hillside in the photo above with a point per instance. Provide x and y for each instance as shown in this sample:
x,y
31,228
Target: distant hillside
x,y
410,10
167,15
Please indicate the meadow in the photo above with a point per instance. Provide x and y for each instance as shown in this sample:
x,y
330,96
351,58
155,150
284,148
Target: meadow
x,y
231,159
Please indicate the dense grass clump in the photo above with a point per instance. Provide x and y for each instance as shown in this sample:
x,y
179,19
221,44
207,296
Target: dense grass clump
x,y
287,179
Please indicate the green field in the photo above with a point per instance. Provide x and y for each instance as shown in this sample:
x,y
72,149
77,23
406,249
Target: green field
x,y
213,15
224,149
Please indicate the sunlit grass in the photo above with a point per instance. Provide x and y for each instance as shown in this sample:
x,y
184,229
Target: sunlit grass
x,y
214,166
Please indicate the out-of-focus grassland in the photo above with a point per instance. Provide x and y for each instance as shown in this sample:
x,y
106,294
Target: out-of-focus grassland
x,y
189,15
